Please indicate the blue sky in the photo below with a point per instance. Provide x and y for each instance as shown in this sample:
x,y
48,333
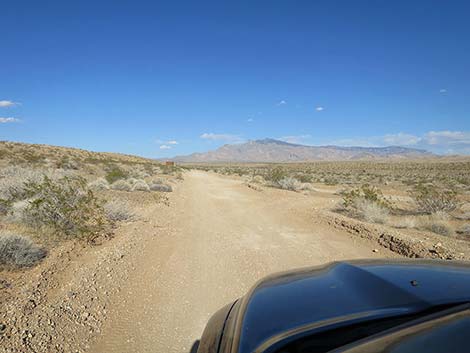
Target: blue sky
x,y
163,78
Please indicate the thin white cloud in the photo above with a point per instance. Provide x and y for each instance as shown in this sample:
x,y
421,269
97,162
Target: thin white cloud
x,y
167,142
281,102
362,142
250,120
447,137
443,90
319,108
442,142
221,137
165,147
9,120
6,103
401,139
297,139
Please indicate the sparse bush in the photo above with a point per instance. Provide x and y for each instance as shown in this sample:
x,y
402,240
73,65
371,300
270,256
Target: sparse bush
x,y
99,184
160,187
366,192
372,211
117,210
289,183
275,175
368,203
121,185
464,230
258,179
431,199
438,227
140,185
405,222
66,206
115,173
19,251
157,181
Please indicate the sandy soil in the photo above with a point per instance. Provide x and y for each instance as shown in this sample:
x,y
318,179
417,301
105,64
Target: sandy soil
x,y
221,237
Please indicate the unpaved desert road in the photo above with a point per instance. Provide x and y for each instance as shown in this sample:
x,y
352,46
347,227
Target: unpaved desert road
x,y
221,237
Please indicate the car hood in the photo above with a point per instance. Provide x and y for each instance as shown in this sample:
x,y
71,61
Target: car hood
x,y
345,292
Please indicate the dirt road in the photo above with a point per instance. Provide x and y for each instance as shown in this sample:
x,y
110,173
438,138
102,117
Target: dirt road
x,y
220,238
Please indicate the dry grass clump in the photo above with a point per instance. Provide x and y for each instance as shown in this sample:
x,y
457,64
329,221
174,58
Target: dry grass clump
x,y
121,185
118,210
289,183
258,179
464,230
19,251
160,187
407,222
99,184
371,211
140,185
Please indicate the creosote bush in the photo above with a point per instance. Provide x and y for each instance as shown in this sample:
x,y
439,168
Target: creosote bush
x,y
431,199
19,251
367,202
276,174
66,206
115,173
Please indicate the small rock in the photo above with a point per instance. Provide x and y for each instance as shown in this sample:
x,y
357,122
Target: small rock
x,y
375,250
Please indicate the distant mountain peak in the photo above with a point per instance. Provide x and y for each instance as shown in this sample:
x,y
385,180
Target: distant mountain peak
x,y
267,141
277,151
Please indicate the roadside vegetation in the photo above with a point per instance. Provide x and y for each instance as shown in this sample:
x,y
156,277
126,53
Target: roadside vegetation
x,y
51,195
429,196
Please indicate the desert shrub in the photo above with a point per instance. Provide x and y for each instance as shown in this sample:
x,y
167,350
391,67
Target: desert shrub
x,y
372,211
19,251
99,184
431,199
67,163
66,206
117,210
464,230
368,203
258,179
275,175
160,187
304,178
438,227
17,212
157,181
121,185
405,222
140,185
289,183
365,192
114,173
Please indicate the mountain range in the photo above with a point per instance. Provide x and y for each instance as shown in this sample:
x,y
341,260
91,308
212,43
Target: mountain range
x,y
276,151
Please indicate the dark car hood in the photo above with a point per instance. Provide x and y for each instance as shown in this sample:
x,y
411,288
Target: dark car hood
x,y
317,298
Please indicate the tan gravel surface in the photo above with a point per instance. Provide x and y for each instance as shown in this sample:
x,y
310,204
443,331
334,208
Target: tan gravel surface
x,y
216,239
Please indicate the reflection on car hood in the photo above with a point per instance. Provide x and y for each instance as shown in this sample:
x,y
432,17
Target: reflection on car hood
x,y
344,292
